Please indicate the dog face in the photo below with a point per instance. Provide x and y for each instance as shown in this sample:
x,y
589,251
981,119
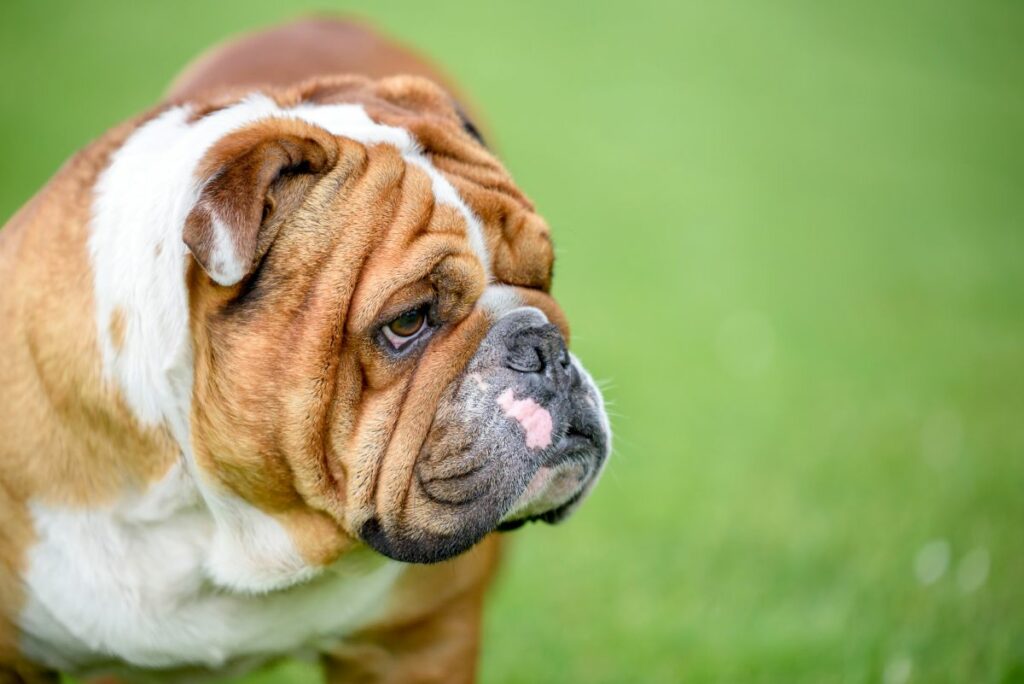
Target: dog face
x,y
373,339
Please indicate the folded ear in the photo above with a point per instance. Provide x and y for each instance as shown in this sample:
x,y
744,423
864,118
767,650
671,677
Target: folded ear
x,y
250,180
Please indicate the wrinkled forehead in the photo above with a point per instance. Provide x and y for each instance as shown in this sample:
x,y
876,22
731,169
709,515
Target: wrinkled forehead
x,y
516,238
425,124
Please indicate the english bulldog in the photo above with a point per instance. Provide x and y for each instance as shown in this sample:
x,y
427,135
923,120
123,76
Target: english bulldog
x,y
279,355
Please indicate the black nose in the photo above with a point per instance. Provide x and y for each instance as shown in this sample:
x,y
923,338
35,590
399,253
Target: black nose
x,y
538,349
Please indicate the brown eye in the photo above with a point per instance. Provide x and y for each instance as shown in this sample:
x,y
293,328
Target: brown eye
x,y
406,326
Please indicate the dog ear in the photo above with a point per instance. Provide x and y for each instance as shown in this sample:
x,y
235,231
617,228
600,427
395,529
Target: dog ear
x,y
249,181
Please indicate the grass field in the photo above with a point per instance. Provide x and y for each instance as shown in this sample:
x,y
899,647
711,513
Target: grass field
x,y
791,236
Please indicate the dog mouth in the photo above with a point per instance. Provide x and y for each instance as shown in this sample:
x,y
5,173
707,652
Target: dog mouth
x,y
496,484
558,487
521,437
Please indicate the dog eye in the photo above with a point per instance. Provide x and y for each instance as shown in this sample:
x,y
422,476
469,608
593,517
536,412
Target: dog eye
x,y
406,327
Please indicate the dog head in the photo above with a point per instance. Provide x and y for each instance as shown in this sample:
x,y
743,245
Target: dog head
x,y
374,351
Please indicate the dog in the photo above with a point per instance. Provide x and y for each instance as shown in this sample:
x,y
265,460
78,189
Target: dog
x,y
280,355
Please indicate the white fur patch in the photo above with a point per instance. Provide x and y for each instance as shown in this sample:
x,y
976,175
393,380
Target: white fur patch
x,y
498,300
249,551
130,583
225,267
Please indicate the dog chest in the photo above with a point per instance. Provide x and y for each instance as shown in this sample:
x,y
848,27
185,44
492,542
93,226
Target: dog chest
x,y
109,589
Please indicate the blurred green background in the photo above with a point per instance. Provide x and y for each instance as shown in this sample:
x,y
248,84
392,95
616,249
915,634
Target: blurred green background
x,y
791,236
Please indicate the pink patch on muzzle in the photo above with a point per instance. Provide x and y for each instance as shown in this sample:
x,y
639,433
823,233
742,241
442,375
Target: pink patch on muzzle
x,y
534,418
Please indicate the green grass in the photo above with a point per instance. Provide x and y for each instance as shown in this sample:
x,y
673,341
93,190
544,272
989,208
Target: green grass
x,y
791,235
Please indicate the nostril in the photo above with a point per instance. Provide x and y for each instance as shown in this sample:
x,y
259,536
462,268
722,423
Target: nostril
x,y
538,349
525,358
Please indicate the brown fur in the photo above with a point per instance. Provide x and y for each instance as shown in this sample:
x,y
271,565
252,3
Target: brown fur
x,y
305,420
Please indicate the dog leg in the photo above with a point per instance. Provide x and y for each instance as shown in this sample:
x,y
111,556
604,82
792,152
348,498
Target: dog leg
x,y
441,648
